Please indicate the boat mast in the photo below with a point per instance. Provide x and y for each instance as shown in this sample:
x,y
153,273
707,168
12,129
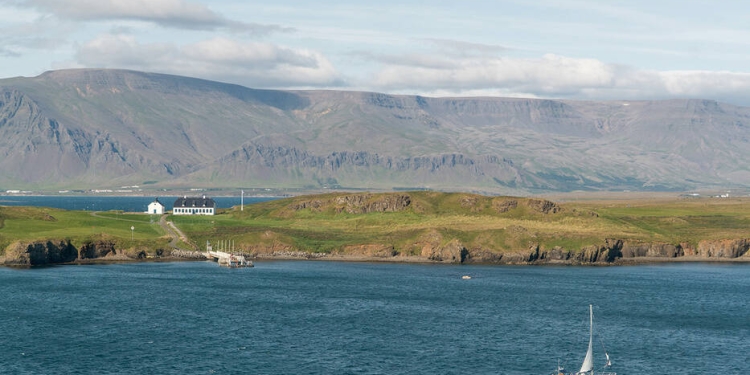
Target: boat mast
x,y
588,362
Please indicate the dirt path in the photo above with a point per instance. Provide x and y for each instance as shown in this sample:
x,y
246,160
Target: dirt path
x,y
170,229
175,233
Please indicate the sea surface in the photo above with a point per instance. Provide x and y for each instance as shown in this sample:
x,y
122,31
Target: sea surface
x,y
107,203
317,317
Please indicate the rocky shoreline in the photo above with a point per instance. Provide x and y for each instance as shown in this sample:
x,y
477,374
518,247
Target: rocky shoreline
x,y
612,252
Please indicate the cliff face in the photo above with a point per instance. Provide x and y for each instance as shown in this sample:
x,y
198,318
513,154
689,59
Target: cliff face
x,y
617,250
431,247
40,253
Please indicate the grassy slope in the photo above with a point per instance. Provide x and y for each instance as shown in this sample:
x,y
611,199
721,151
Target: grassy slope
x,y
472,219
477,226
40,223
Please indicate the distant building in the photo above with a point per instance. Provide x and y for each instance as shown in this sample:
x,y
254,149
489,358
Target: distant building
x,y
194,206
155,207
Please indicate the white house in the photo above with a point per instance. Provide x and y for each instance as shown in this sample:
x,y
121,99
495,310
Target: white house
x,y
155,207
194,206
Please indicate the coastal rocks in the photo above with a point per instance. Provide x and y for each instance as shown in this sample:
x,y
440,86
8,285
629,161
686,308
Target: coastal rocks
x,y
97,249
594,254
659,250
186,254
272,248
556,254
452,252
433,248
370,251
723,248
40,253
483,256
293,255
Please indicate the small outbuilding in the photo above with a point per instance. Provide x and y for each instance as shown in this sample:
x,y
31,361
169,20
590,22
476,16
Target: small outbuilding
x,y
155,207
194,206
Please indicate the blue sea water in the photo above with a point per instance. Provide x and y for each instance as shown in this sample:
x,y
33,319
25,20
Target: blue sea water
x,y
107,203
312,317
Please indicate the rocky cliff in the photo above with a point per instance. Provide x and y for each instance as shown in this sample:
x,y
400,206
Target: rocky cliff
x,y
48,252
432,247
39,253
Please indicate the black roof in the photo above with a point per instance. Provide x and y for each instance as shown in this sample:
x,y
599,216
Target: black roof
x,y
194,202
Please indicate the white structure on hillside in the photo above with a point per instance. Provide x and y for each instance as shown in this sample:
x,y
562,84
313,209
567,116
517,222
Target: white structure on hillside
x,y
194,206
155,207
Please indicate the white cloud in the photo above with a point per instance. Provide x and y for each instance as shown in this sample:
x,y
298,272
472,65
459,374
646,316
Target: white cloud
x,y
30,34
253,64
462,48
553,76
168,13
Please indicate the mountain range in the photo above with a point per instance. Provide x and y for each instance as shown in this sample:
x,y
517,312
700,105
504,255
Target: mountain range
x,y
99,128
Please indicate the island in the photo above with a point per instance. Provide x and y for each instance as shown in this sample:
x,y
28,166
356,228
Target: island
x,y
413,226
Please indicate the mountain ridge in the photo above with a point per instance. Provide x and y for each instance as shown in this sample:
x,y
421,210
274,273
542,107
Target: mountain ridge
x,y
88,128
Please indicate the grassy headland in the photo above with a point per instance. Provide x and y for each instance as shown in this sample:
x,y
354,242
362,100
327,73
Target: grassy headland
x,y
429,226
34,224
437,225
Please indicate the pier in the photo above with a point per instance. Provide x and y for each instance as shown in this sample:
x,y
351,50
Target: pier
x,y
228,260
225,258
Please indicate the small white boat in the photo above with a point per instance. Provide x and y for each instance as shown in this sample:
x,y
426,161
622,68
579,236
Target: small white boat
x,y
587,368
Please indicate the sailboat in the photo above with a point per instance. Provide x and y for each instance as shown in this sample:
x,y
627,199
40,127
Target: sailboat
x,y
587,368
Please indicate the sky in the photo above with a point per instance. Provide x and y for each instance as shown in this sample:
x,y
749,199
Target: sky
x,y
564,49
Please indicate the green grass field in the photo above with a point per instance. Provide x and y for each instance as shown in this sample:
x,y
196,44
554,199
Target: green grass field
x,y
31,223
323,223
473,220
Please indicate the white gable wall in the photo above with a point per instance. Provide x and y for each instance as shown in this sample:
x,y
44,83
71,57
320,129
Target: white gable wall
x,y
155,208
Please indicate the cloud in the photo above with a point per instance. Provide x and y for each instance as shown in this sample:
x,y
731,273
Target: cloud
x,y
36,34
8,52
462,48
552,76
180,14
254,64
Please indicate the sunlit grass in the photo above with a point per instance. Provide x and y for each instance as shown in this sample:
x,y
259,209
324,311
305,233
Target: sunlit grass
x,y
326,228
32,223
475,221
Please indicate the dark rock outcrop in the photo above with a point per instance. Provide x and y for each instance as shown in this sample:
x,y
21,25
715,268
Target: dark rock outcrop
x,y
97,249
504,205
661,250
366,203
544,206
40,253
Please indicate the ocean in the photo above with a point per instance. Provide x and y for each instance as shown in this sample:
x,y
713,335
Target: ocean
x,y
318,317
107,203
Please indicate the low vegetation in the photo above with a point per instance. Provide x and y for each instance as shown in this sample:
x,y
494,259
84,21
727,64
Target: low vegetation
x,y
80,227
336,223
401,223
